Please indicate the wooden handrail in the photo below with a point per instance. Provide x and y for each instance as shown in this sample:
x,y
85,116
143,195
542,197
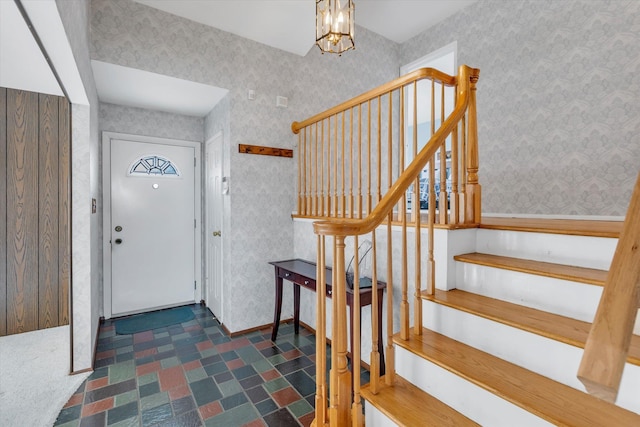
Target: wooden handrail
x,y
352,227
605,352
422,73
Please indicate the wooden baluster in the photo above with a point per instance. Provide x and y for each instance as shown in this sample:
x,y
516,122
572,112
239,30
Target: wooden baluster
x,y
321,333
329,194
389,374
343,204
431,264
300,157
351,157
463,166
415,207
432,207
322,188
309,173
357,414
404,303
379,155
415,198
474,192
455,207
359,193
340,386
315,173
369,158
390,141
335,168
444,209
375,321
390,369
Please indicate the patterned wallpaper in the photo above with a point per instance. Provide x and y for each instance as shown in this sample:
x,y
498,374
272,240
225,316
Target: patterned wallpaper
x,y
558,109
138,121
262,188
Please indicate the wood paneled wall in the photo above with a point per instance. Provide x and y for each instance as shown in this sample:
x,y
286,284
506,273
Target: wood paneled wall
x,y
35,211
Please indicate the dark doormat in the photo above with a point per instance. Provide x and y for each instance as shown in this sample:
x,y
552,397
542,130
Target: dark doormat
x,y
153,320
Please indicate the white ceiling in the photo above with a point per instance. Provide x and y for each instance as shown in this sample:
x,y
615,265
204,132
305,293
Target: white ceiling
x,y
137,88
290,24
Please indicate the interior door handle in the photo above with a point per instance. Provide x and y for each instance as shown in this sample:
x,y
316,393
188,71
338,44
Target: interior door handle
x,y
118,241
217,233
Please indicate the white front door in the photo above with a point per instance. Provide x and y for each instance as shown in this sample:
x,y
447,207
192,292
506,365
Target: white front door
x,y
152,226
214,198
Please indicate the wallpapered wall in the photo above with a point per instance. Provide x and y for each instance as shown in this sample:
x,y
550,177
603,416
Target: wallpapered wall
x,y
558,110
139,121
261,199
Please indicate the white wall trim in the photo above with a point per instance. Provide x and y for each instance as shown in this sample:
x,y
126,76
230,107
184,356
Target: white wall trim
x,y
107,137
571,217
451,47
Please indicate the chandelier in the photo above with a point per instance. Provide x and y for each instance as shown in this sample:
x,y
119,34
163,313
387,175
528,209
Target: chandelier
x,y
334,25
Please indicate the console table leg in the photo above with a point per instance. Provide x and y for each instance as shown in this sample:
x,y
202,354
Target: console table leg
x,y
278,308
296,308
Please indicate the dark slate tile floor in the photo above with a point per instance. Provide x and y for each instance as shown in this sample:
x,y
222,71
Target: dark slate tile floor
x,y
193,374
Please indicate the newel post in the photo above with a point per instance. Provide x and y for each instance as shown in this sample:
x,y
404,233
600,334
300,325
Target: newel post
x,y
340,376
473,208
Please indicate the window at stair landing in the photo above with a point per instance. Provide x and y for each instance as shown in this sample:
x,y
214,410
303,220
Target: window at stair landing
x,y
152,165
445,60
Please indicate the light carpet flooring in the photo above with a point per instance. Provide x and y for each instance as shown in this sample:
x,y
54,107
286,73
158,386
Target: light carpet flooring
x,y
34,377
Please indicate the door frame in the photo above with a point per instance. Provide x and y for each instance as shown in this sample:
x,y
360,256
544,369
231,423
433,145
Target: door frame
x,y
107,137
208,206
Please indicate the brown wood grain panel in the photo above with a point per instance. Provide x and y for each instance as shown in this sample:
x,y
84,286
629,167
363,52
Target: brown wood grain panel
x,y
3,211
64,209
48,212
22,211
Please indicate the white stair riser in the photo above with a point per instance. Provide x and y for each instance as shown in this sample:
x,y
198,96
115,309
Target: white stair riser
x,y
582,251
544,356
375,418
563,297
465,397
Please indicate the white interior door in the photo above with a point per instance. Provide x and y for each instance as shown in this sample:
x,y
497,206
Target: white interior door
x,y
214,225
152,226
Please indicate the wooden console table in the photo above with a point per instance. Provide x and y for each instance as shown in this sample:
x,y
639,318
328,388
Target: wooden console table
x,y
303,273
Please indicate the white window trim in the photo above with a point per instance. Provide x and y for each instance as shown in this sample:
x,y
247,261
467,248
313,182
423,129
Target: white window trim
x,y
420,62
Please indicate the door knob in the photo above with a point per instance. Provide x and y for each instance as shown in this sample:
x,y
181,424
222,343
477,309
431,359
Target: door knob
x,y
217,233
118,241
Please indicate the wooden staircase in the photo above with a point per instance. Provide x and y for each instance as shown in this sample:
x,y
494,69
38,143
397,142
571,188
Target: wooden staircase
x,y
501,350
503,321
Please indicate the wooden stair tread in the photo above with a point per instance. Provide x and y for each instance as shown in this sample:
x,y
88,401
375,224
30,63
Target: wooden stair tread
x,y
560,328
555,226
407,405
548,399
589,276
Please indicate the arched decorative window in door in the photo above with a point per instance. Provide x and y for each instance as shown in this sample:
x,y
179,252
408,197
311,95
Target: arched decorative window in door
x,y
153,165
